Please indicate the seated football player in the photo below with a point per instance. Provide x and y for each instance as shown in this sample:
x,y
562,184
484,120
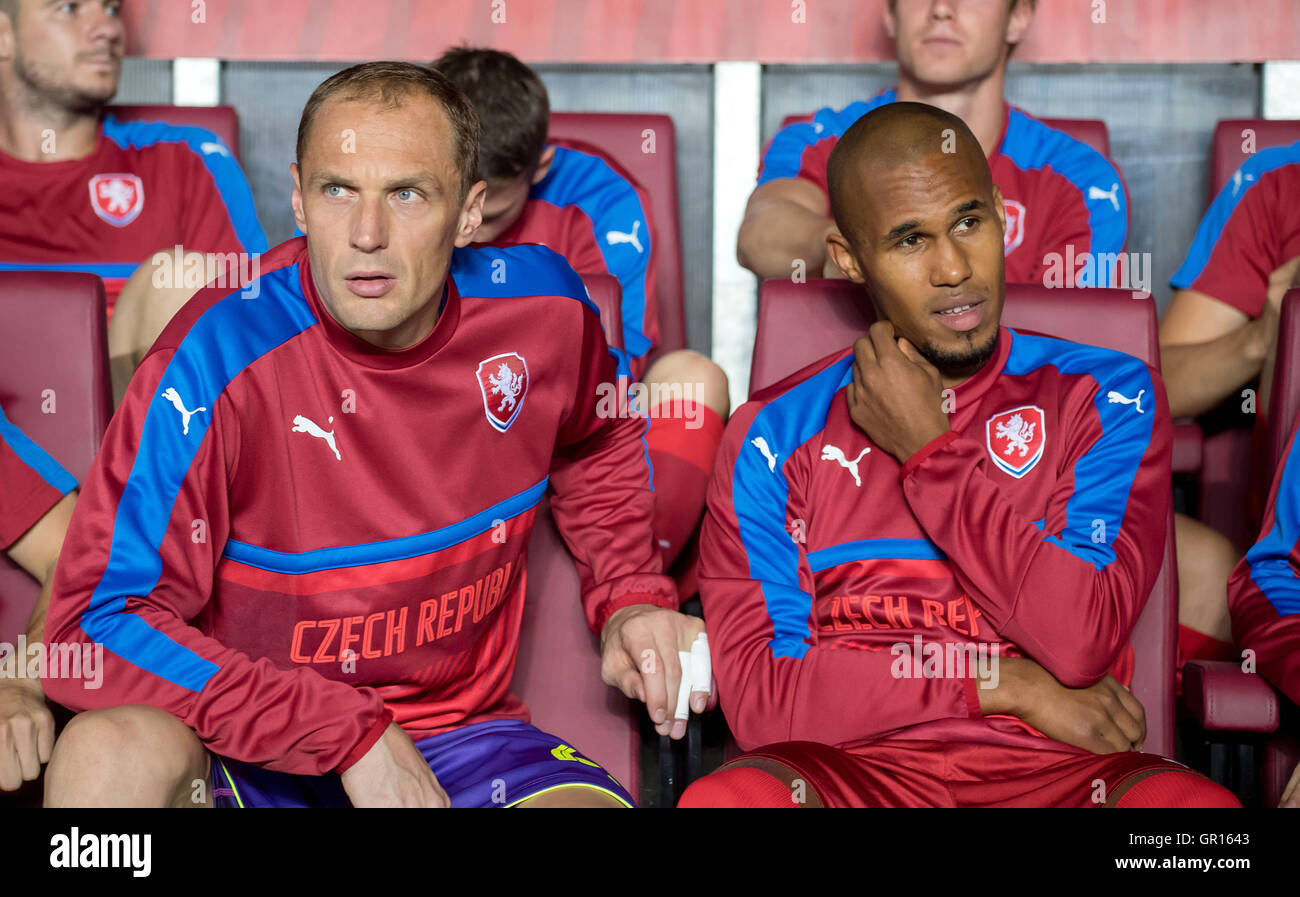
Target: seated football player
x,y
1218,336
36,500
303,544
572,197
1264,593
923,556
1065,205
86,192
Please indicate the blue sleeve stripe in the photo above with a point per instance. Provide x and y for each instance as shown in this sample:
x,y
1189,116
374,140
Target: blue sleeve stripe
x,y
1103,477
105,271
1032,145
1270,558
1225,204
365,554
35,457
784,156
217,158
874,549
612,205
225,340
761,495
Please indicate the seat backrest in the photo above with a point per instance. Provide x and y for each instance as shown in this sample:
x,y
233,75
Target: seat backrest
x,y
1232,145
1284,396
625,137
799,324
607,295
54,386
558,671
1091,131
220,120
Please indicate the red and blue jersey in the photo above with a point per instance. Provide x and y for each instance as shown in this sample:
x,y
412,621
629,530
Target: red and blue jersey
x,y
1264,591
291,537
831,574
147,186
1061,195
31,482
1251,229
592,212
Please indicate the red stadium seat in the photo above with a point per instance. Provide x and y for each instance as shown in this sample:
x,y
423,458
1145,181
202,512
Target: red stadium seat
x,y
1091,131
801,323
624,137
607,295
220,120
557,673
1226,155
54,386
1284,397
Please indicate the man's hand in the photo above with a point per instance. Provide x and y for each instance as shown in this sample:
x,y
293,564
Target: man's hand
x,y
1104,718
26,732
393,773
896,395
638,648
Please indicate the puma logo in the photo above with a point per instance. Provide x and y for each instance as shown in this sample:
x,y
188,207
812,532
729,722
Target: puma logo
x,y
761,444
1136,402
171,395
614,237
834,453
1112,194
310,427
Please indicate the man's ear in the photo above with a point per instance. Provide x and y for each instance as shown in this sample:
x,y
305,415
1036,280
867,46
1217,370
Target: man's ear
x,y
471,214
838,248
890,22
8,39
1000,207
1022,14
299,217
544,164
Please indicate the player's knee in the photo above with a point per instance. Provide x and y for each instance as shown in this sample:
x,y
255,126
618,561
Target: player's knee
x,y
1203,552
707,380
738,786
134,742
1178,789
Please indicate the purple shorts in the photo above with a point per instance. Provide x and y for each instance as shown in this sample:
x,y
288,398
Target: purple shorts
x,y
494,764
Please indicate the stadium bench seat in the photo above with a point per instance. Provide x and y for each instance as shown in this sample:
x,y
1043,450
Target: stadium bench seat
x,y
1091,131
220,120
557,673
623,136
1226,153
54,386
800,323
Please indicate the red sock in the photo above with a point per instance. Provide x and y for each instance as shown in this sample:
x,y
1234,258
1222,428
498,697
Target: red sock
x,y
1178,789
683,441
739,786
1195,645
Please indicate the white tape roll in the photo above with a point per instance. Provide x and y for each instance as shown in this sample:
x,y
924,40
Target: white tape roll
x,y
697,674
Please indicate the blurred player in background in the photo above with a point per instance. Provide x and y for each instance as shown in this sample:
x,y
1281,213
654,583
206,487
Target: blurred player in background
x,y
944,481
85,192
36,500
303,544
1061,195
1218,335
572,197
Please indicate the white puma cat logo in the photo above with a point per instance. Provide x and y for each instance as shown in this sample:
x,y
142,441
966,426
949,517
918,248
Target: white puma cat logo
x,y
1116,397
761,444
171,395
614,237
834,453
304,425
1111,194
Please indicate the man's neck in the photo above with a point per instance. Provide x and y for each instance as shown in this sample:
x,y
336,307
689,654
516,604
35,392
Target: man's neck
x,y
411,332
978,103
38,131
